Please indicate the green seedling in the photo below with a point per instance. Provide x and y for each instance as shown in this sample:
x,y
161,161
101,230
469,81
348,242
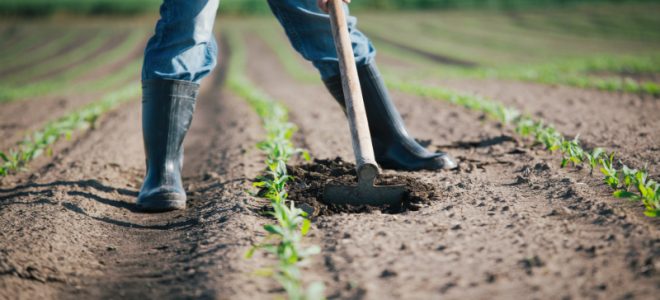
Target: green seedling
x,y
641,176
592,158
571,152
650,192
11,161
525,126
548,137
610,172
629,178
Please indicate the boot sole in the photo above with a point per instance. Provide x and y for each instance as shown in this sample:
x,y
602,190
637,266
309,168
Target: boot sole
x,y
161,202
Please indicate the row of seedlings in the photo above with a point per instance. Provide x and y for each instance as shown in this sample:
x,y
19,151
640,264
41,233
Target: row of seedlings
x,y
284,238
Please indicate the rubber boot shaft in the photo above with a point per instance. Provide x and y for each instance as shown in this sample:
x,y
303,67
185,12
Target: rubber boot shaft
x,y
393,146
167,110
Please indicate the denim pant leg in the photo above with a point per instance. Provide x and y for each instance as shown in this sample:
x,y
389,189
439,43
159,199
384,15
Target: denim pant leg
x,y
183,46
308,29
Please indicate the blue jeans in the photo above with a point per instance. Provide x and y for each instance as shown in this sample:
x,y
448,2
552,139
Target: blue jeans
x,y
184,48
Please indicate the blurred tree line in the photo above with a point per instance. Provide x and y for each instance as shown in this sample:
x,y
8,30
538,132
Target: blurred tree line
x,y
37,8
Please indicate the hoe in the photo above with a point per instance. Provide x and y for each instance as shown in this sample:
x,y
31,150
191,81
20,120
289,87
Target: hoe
x,y
365,192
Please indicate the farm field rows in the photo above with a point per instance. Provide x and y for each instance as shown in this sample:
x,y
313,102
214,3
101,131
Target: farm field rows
x,y
510,222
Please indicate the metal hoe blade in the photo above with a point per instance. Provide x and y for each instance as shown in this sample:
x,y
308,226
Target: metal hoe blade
x,y
364,193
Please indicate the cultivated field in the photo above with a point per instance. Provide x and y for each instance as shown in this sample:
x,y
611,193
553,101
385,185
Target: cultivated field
x,y
552,115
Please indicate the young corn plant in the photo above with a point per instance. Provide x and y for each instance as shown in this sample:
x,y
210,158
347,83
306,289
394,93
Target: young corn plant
x,y
629,178
284,238
650,192
571,152
548,137
610,172
592,157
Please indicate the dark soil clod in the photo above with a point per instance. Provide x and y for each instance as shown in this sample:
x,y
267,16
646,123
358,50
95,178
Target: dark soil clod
x,y
310,179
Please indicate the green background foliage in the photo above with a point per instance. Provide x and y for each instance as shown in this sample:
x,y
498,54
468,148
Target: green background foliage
x,y
39,8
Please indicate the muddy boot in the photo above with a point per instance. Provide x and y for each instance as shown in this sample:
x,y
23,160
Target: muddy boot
x,y
167,109
393,147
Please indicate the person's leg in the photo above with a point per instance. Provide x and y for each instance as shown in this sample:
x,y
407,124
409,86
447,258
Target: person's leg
x,y
181,53
183,46
308,29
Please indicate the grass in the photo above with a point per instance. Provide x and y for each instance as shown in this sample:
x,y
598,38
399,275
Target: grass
x,y
40,142
284,238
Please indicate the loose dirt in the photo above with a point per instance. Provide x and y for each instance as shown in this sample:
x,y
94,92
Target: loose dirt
x,y
507,224
310,179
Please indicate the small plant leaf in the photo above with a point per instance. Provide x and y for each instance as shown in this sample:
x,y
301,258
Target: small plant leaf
x,y
306,225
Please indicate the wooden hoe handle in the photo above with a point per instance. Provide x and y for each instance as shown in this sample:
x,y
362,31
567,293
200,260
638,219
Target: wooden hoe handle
x,y
356,113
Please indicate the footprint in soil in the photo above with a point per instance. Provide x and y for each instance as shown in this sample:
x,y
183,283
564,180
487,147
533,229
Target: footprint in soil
x,y
306,189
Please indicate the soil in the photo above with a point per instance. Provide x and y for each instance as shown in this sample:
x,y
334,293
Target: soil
x,y
310,179
619,122
508,223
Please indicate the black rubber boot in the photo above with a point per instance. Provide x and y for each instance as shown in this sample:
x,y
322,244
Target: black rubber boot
x,y
167,110
393,147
